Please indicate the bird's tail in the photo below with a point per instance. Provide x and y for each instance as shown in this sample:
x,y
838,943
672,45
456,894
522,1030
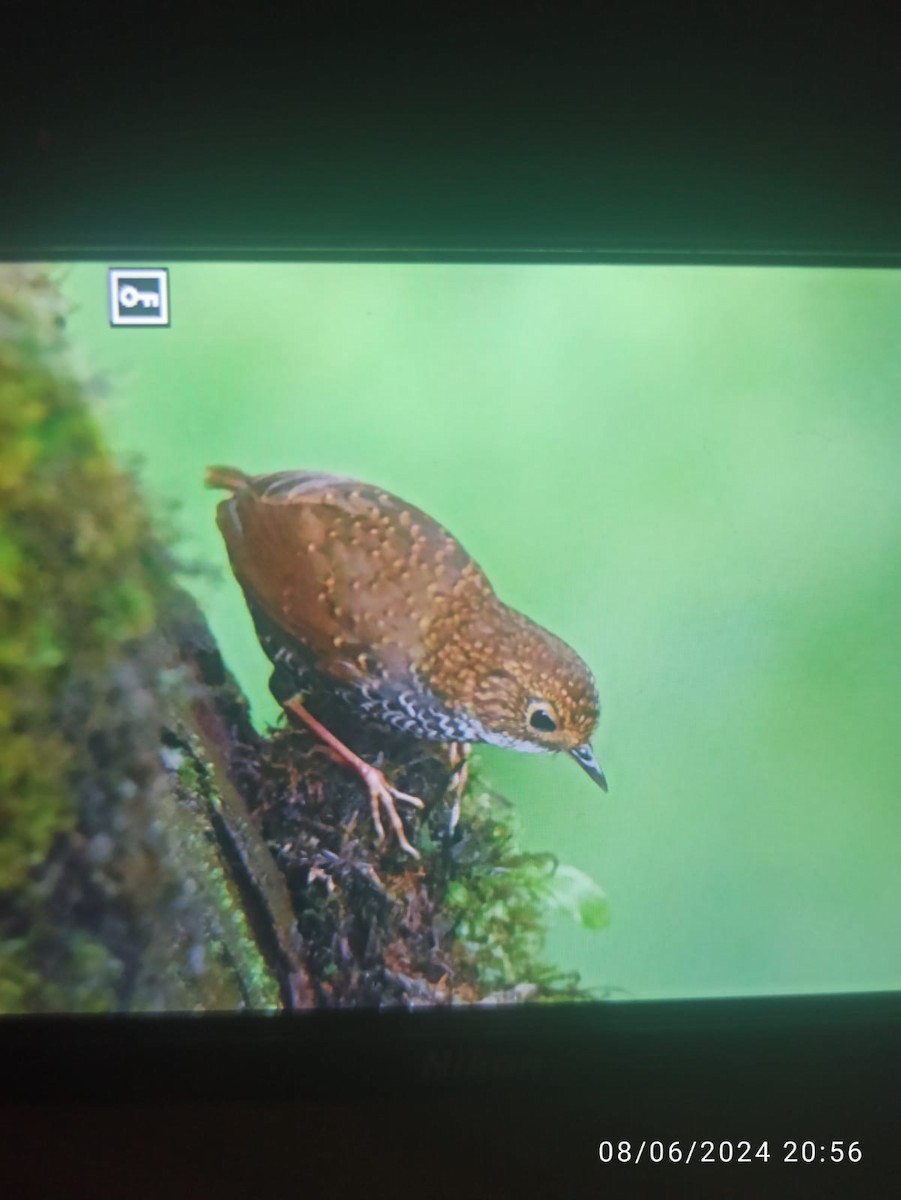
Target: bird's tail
x,y
226,477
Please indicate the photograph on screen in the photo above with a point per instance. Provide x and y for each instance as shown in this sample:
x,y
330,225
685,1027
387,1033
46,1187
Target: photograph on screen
x,y
382,634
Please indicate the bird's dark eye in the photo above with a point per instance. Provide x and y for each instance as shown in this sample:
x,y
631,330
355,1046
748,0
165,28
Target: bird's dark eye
x,y
541,719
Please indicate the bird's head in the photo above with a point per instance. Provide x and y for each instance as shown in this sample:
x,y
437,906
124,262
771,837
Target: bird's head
x,y
539,697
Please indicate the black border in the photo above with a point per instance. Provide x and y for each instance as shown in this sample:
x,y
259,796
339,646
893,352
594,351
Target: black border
x,y
810,1053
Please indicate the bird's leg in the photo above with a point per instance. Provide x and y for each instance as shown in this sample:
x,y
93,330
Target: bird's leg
x,y
381,793
458,756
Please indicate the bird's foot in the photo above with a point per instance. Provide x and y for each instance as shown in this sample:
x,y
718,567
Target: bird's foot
x,y
382,796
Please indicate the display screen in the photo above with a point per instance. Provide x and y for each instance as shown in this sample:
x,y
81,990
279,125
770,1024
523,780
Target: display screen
x,y
535,636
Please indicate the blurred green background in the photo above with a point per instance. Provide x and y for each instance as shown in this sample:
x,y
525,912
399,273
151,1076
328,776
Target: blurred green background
x,y
691,474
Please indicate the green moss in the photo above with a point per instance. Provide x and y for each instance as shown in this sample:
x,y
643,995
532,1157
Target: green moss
x,y
76,581
39,975
230,937
498,901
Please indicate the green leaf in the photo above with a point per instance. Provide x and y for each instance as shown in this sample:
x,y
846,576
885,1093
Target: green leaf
x,y
578,894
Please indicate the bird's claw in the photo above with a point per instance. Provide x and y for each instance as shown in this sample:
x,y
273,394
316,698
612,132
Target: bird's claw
x,y
382,796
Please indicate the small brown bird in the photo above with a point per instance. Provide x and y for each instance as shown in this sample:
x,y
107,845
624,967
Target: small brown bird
x,y
356,592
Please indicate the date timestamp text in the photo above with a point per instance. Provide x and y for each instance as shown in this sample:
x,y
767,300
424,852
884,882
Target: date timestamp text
x,y
710,1151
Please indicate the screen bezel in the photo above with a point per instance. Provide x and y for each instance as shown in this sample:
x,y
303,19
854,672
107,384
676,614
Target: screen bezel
x,y
799,1042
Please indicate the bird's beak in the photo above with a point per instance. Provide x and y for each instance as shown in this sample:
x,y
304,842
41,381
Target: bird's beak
x,y
584,756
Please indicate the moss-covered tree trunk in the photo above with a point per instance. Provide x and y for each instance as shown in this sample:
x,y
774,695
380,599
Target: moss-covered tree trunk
x,y
156,852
